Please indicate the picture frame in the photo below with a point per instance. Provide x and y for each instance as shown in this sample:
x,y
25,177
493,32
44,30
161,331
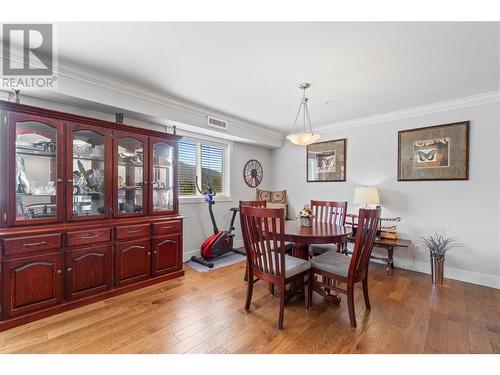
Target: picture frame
x,y
434,153
326,161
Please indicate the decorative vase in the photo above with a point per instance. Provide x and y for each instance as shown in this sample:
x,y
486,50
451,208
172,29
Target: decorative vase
x,y
437,269
305,222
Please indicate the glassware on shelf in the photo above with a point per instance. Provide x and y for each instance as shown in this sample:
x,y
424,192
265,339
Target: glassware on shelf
x,y
162,177
130,159
36,170
88,173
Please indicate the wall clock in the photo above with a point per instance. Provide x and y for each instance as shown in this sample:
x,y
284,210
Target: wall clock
x,y
253,173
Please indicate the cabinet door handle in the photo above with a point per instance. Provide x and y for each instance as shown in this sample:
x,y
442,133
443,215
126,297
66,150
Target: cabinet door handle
x,y
133,231
70,181
69,269
59,272
155,252
149,252
59,180
89,237
35,244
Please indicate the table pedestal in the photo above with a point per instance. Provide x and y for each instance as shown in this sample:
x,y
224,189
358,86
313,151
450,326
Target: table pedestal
x,y
300,251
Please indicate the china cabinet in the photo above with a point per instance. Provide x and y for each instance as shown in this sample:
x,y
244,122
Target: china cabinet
x,y
88,210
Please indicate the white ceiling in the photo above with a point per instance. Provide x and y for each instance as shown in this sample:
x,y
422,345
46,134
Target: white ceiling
x,y
252,70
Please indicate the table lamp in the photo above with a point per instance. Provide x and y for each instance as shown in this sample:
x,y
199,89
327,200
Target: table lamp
x,y
366,195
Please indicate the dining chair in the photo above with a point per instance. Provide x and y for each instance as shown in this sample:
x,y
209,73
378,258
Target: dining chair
x,y
331,213
334,268
263,235
259,204
288,245
256,203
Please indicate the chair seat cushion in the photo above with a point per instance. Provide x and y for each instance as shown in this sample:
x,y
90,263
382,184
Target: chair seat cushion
x,y
322,248
332,262
293,265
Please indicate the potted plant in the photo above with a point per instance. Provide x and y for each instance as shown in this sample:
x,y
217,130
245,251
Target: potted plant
x,y
438,245
305,215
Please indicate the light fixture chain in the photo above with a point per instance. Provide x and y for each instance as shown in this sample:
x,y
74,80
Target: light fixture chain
x,y
304,116
309,120
296,118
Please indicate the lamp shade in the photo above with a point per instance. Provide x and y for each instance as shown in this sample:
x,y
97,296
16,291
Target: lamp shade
x,y
303,139
366,195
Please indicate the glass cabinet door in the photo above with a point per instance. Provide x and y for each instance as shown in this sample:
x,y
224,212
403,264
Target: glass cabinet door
x,y
88,192
130,179
162,176
36,170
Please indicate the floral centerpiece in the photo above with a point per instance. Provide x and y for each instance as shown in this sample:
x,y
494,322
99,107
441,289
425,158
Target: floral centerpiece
x,y
305,215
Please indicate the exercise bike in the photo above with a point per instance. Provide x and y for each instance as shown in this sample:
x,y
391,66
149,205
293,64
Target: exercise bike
x,y
221,242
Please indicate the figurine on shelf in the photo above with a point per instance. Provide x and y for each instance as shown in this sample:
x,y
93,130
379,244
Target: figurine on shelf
x,y
131,158
23,185
91,181
45,146
84,173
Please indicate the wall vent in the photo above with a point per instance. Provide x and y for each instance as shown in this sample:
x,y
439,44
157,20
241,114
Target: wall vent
x,y
217,123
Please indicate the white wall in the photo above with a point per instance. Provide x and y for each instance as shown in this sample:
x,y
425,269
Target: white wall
x,y
468,210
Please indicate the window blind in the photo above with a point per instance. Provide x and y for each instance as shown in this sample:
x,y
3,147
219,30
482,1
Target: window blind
x,y
212,165
187,166
204,160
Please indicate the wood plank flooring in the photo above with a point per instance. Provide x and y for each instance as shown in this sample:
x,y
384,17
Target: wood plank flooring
x,y
203,313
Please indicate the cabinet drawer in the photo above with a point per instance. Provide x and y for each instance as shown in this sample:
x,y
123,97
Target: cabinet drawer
x,y
168,227
85,237
32,244
133,231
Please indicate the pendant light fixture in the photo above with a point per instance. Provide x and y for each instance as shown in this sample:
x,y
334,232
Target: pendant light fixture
x,y
307,136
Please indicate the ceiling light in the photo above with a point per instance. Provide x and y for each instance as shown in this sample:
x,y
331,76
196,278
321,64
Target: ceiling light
x,y
307,136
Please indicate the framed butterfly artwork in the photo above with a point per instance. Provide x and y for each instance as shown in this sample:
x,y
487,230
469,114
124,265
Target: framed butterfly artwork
x,y
326,161
434,153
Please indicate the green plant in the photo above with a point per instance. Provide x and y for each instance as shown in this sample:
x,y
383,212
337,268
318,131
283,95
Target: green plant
x,y
439,244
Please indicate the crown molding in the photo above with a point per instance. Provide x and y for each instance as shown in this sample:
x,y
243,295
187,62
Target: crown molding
x,y
468,101
140,92
76,73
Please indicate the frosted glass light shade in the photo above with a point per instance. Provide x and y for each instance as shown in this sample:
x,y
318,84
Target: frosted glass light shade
x,y
303,139
366,195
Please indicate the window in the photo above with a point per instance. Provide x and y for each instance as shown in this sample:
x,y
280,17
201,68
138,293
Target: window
x,y
202,159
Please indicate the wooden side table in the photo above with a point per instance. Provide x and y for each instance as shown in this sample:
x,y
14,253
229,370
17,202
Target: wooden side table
x,y
388,244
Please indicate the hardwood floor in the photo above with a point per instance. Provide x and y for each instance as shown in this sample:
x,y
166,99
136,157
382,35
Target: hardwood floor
x,y
203,313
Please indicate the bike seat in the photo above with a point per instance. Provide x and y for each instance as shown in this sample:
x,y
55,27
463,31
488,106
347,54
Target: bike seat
x,y
234,209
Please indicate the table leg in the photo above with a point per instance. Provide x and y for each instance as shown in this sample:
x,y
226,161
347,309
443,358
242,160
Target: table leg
x,y
299,251
390,259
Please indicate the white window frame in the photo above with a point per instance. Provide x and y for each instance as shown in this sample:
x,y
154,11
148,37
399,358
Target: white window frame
x,y
226,196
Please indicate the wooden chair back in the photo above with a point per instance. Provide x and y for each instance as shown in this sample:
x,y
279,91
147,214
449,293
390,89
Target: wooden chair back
x,y
263,234
256,203
368,222
329,212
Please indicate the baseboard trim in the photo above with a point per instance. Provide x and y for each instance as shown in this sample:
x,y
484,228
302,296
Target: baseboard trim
x,y
188,254
491,281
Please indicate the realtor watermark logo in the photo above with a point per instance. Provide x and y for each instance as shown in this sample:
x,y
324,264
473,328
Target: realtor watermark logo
x,y
29,59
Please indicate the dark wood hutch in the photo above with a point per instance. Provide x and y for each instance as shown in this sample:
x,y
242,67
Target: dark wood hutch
x,y
88,210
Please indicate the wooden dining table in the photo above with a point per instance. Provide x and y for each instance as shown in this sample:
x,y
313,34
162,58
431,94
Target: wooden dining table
x,y
317,233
